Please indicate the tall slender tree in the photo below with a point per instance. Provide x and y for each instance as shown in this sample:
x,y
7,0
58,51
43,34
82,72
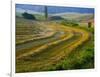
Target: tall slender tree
x,y
46,12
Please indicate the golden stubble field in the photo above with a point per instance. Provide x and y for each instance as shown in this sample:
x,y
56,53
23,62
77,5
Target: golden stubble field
x,y
47,46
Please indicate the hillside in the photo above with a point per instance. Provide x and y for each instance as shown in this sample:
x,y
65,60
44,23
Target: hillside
x,y
37,46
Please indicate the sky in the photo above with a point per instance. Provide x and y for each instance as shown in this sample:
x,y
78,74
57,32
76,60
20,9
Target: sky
x,y
51,9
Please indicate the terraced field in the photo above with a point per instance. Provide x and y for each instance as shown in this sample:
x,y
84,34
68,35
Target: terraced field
x,y
38,53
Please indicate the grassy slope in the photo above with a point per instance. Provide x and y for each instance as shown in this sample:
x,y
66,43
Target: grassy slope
x,y
81,58
37,65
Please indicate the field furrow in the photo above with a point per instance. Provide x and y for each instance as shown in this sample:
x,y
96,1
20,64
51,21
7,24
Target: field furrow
x,y
44,54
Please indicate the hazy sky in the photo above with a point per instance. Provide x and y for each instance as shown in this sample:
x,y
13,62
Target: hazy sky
x,y
51,9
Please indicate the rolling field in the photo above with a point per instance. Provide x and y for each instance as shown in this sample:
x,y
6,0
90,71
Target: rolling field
x,y
45,45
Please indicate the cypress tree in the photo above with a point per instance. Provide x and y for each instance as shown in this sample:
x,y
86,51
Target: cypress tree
x,y
46,12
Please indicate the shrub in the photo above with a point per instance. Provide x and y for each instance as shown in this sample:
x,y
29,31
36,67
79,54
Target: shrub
x,y
69,23
75,24
28,16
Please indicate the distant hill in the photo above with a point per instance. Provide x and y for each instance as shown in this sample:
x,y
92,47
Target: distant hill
x,y
38,16
55,18
79,17
86,18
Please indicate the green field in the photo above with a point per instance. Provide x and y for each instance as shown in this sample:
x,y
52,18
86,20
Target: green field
x,y
53,45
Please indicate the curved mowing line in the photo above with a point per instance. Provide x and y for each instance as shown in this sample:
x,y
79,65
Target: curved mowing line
x,y
51,34
65,50
43,47
35,39
30,43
